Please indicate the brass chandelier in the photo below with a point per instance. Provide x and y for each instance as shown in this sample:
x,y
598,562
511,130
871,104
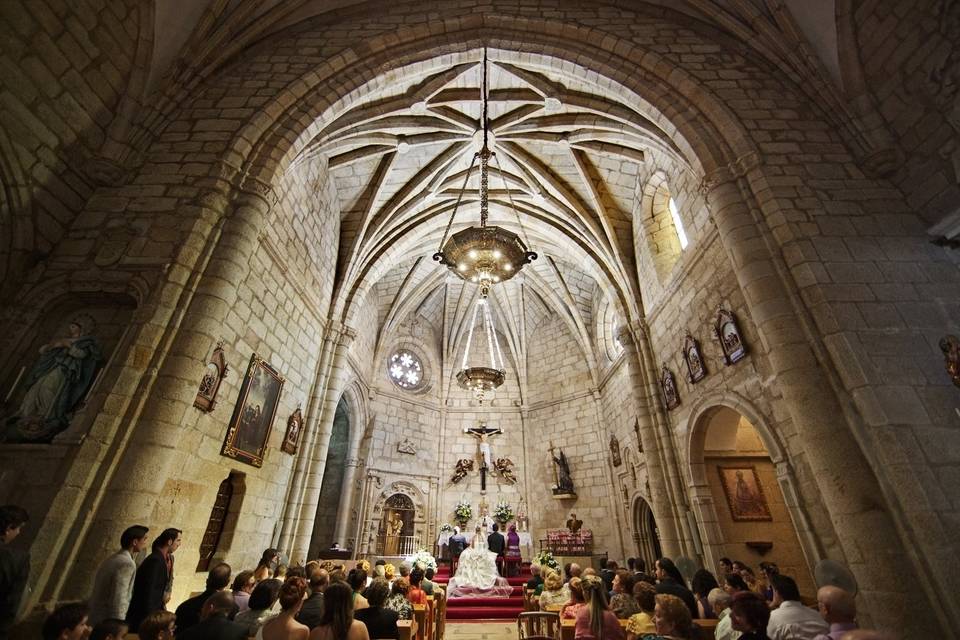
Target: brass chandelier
x,y
485,255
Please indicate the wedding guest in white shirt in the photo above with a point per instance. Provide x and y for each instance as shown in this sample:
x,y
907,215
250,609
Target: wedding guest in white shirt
x,y
113,585
791,620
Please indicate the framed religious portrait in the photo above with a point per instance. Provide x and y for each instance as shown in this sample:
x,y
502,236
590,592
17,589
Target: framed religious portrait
x,y
669,386
726,331
253,416
696,371
291,439
744,493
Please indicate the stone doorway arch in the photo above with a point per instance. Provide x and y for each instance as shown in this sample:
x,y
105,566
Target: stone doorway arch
x,y
729,433
398,499
646,534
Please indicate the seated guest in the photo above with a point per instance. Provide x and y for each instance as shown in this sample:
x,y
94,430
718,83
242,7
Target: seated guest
x,y
113,584
285,626
358,582
312,610
398,599
242,587
566,572
838,609
596,621
642,624
338,622
555,592
671,582
672,618
623,604
389,572
575,570
608,574
67,622
416,595
767,571
364,567
535,580
159,625
791,619
111,629
577,602
215,623
405,569
261,603
188,613
267,565
749,614
703,583
428,584
380,621
513,545
720,603
640,566
281,573
496,543
734,584
726,566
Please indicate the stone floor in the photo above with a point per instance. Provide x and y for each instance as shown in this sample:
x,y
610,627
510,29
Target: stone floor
x,y
481,630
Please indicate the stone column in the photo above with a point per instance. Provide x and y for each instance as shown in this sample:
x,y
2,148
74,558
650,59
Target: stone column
x,y
336,381
850,492
613,495
346,496
660,501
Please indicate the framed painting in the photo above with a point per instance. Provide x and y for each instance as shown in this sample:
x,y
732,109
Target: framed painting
x,y
253,416
744,493
671,397
291,440
726,330
693,359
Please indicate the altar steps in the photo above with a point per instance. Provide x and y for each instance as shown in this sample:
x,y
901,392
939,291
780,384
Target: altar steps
x,y
486,608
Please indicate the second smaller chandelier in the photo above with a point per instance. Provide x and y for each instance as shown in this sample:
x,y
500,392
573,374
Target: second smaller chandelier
x,y
489,375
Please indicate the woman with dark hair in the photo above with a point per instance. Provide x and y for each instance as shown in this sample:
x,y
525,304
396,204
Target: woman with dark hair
x,y
623,604
159,625
767,571
416,595
750,614
703,582
267,565
398,599
380,621
243,586
285,626
337,622
733,584
358,582
596,621
261,602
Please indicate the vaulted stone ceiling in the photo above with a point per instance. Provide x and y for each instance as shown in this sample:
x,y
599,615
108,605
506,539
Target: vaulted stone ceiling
x,y
568,159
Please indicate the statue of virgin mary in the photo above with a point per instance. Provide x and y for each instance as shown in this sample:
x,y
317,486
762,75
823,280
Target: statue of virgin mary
x,y
56,384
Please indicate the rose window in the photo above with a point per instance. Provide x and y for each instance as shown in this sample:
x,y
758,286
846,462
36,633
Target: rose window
x,y
405,369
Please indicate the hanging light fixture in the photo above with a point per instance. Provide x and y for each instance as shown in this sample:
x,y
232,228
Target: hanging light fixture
x,y
483,378
487,254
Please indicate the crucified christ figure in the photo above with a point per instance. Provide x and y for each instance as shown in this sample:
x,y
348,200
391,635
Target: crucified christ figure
x,y
482,433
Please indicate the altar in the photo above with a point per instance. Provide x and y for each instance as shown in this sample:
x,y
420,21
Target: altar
x,y
526,543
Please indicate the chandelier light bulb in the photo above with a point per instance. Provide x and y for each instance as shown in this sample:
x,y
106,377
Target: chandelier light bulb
x,y
496,254
472,254
462,267
508,267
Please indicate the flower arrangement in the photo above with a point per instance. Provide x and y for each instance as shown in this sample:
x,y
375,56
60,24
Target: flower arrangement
x,y
502,513
463,511
546,559
423,559
444,528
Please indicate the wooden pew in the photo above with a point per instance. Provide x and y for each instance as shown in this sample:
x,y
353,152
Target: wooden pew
x,y
420,615
567,628
407,629
707,628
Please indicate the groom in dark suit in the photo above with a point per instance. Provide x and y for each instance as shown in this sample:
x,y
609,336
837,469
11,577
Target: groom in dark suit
x,y
496,543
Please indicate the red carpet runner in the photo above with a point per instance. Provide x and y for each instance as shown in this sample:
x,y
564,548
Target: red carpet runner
x,y
485,608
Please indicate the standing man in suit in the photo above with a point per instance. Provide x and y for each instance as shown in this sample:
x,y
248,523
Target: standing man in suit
x,y
153,576
113,586
14,565
497,543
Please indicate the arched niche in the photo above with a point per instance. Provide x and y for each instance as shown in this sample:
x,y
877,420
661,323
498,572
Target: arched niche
x,y
743,491
405,497
331,487
646,535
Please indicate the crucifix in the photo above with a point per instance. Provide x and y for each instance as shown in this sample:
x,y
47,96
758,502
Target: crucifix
x,y
482,433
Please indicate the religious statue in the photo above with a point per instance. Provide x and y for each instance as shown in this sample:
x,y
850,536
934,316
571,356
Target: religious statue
x,y
504,468
950,346
564,481
464,466
522,521
58,381
483,433
573,523
396,524
394,531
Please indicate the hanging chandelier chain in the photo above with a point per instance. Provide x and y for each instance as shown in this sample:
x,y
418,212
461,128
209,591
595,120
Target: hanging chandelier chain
x,y
463,188
513,205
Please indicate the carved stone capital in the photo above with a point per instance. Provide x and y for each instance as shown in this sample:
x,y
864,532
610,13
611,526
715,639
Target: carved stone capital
x,y
740,167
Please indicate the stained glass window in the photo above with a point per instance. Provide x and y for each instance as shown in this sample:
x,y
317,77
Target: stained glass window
x,y
405,369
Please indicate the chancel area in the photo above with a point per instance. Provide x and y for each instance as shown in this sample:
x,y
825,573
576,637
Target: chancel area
x,y
622,319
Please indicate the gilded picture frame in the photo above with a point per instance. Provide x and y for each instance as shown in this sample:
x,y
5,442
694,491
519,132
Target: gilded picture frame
x,y
253,415
744,493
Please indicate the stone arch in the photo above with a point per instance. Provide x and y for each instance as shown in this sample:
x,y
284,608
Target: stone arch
x,y
657,225
702,501
646,538
416,497
335,471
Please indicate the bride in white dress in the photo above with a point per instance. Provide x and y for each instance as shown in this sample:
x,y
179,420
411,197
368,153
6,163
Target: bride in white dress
x,y
477,574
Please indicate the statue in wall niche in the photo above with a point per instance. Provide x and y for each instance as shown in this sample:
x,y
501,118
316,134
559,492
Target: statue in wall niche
x,y
57,383
950,346
562,472
615,451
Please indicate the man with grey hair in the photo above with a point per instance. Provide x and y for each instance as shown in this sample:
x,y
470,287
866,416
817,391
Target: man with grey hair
x,y
535,579
720,603
575,570
405,569
839,609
